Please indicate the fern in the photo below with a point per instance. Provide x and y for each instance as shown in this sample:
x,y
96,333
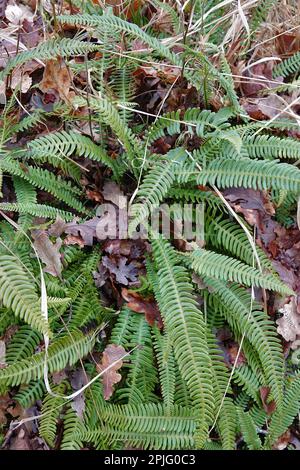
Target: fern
x,y
22,345
64,351
288,66
185,326
249,430
253,174
18,293
208,263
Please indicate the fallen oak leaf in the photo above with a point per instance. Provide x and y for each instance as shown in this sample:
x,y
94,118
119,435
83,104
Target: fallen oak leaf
x,y
143,305
112,356
124,272
48,252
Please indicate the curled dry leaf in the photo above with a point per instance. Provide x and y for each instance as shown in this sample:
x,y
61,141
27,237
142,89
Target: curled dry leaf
x,y
112,356
289,323
147,306
48,252
16,14
57,77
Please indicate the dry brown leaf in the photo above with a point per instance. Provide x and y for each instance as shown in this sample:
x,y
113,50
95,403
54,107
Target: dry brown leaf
x,y
2,354
48,252
74,240
22,79
16,14
57,77
111,355
142,305
289,323
269,406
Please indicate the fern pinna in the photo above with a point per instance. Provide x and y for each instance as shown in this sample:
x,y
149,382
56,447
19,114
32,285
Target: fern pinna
x,y
178,386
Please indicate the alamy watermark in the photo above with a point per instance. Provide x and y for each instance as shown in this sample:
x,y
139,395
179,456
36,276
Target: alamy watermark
x,y
174,221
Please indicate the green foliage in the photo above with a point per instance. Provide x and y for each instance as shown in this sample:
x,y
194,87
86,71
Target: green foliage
x,y
288,66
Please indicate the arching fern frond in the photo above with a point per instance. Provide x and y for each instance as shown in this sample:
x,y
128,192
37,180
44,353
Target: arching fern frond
x,y
63,351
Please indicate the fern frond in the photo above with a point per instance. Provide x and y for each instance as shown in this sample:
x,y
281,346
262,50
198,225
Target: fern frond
x,y
166,367
285,414
224,268
47,50
29,394
249,430
22,345
235,305
64,351
253,174
51,410
18,293
36,210
288,66
155,187
185,326
145,425
63,144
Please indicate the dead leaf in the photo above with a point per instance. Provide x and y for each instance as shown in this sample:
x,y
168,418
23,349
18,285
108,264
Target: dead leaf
x,y
289,323
74,240
112,356
124,272
112,192
147,306
57,228
48,252
283,441
2,354
79,379
57,77
100,276
269,407
16,14
87,229
22,79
